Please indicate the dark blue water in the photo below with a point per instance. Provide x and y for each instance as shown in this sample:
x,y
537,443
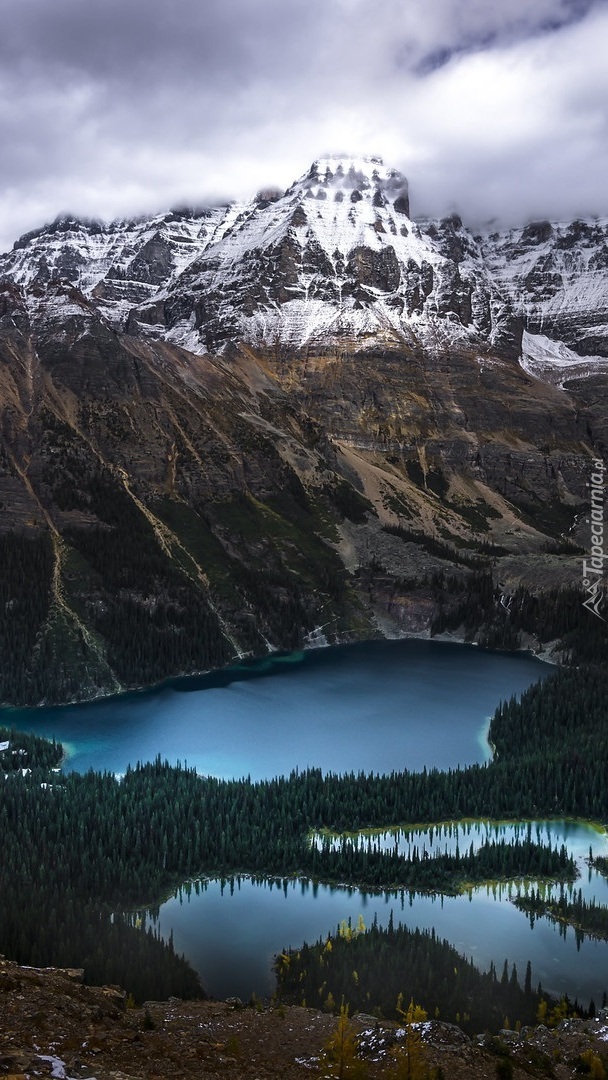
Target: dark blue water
x,y
375,706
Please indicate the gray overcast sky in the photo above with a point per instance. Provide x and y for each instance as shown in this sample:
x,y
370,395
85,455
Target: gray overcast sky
x,y
115,107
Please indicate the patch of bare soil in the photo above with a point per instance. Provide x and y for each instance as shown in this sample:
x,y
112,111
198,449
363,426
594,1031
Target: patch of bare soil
x,y
53,1026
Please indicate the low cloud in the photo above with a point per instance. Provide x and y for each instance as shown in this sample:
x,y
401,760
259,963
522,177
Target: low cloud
x,y
125,107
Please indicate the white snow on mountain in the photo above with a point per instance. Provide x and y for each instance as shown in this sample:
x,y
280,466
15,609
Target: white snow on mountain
x,y
111,261
557,274
553,362
350,261
336,260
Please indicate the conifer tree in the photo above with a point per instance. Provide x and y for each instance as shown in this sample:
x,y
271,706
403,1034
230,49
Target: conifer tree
x,y
410,1061
339,1058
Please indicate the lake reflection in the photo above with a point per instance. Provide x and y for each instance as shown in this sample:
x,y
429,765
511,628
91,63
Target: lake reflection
x,y
230,932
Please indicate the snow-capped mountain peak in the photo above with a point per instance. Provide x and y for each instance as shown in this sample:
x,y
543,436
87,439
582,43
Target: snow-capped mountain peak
x,y
335,260
334,257
340,177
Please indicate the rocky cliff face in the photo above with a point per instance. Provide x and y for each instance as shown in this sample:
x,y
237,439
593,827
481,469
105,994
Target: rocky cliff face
x,y
298,419
336,257
121,264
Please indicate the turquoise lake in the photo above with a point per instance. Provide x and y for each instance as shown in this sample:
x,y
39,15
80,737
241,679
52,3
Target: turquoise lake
x,y
376,707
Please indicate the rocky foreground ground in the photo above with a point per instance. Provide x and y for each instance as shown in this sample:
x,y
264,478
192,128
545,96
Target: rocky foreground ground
x,y
51,1025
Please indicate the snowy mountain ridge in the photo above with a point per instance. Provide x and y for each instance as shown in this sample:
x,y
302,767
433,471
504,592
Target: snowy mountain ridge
x,y
557,275
335,261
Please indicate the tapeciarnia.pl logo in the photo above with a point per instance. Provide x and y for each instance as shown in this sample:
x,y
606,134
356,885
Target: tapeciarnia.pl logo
x,y
593,568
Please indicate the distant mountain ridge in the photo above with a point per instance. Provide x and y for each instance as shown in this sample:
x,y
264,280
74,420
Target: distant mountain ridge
x,y
337,257
306,417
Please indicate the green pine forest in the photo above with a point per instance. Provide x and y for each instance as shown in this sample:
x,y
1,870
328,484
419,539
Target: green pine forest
x,y
82,854
377,970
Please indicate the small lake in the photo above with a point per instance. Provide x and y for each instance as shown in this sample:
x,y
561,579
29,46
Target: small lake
x,y
375,706
231,931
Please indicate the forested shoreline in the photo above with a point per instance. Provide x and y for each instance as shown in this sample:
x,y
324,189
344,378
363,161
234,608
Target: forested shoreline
x,y
81,847
45,652
586,917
